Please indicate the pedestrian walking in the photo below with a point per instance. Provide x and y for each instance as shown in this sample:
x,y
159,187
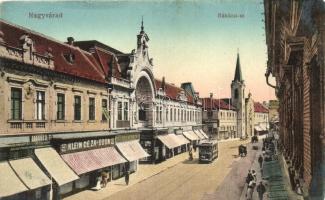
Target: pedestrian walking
x,y
254,175
104,179
250,190
260,190
127,177
260,161
190,154
249,177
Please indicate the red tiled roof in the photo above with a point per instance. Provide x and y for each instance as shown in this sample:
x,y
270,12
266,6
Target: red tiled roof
x,y
209,103
258,107
173,91
84,65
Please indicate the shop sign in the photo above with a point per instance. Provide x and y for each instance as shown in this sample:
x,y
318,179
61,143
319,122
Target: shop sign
x,y
85,144
127,137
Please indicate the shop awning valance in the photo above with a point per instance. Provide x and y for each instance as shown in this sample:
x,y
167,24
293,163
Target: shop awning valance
x,y
191,135
9,182
204,134
199,134
170,141
86,161
55,166
132,150
30,173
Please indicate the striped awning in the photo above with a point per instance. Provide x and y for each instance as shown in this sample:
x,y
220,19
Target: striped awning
x,y
30,173
203,133
86,161
191,135
132,150
199,134
170,141
9,182
55,166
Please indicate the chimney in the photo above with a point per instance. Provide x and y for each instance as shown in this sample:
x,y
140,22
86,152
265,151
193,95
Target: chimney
x,y
70,40
163,83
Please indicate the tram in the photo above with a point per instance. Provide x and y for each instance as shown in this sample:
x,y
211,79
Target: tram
x,y
208,150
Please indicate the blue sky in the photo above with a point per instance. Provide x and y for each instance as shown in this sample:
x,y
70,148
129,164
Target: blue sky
x,y
188,41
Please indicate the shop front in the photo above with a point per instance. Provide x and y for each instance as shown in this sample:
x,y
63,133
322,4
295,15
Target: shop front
x,y
192,137
57,169
23,179
90,164
132,151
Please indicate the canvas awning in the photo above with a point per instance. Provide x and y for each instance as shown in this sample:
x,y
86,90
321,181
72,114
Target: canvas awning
x,y
86,161
132,150
182,139
199,134
170,141
191,135
30,173
204,134
55,166
9,182
257,128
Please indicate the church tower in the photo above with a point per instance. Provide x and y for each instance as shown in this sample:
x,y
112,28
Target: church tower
x,y
238,99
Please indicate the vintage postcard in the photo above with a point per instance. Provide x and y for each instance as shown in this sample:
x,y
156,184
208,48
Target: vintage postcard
x,y
162,100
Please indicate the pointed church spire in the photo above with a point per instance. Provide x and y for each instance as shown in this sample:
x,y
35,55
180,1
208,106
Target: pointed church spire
x,y
238,75
142,28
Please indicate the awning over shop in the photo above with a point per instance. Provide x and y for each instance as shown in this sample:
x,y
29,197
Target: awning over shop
x,y
132,150
191,135
257,128
182,139
54,164
9,182
199,134
204,134
170,141
86,161
30,173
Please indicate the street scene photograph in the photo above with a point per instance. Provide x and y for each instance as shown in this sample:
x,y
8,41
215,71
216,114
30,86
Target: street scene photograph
x,y
162,100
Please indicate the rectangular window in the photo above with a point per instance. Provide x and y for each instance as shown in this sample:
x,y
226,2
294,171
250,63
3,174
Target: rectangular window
x,y
40,105
119,110
171,114
175,114
16,104
167,114
77,108
60,113
157,114
126,111
104,109
91,108
160,113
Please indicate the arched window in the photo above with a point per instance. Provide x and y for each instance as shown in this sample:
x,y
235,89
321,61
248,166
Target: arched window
x,y
236,93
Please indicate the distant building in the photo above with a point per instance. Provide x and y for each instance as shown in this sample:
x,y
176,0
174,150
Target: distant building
x,y
219,118
249,115
261,118
273,111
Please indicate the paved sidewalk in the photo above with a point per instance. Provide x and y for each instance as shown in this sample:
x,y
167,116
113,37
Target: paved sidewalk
x,y
144,172
255,166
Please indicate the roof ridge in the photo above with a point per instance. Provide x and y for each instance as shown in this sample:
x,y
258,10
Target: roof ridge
x,y
41,35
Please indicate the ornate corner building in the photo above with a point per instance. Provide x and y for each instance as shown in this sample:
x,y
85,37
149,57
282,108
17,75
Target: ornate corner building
x,y
295,38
